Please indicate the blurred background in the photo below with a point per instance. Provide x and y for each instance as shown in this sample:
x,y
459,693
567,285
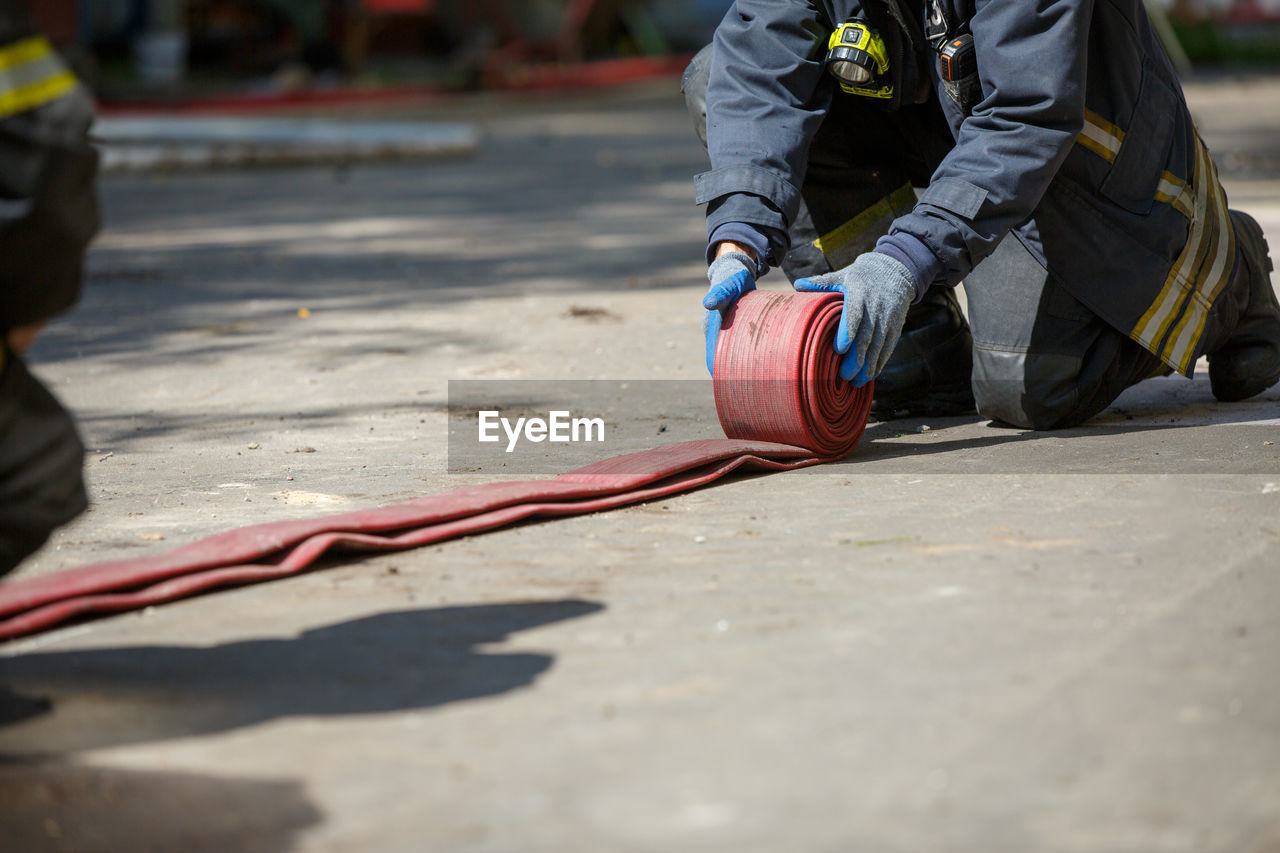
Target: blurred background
x,y
129,49
166,49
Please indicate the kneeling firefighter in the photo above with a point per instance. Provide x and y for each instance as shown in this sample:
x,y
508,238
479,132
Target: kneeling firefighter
x,y
1061,178
48,213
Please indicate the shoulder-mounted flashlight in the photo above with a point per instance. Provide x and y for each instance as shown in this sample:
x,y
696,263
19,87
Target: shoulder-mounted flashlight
x,y
857,58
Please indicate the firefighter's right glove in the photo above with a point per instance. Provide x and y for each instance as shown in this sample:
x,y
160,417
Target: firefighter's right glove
x,y
877,290
731,275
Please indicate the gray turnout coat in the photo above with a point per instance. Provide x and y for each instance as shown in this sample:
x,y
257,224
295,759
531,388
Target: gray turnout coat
x,y
1080,144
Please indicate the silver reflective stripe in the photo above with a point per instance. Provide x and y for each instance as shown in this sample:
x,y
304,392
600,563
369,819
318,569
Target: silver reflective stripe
x,y
31,75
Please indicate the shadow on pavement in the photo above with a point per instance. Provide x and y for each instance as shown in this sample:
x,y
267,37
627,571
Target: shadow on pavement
x,y
124,430
58,807
198,266
406,660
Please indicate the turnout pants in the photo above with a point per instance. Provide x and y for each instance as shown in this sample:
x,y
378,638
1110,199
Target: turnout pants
x,y
48,213
1041,359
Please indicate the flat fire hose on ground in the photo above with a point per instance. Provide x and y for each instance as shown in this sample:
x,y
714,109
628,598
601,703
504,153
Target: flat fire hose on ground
x,y
778,397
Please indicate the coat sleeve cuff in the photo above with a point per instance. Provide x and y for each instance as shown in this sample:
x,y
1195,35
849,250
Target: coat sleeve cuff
x,y
745,234
712,185
754,212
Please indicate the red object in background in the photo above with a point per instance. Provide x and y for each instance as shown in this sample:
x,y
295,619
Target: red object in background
x,y
547,78
398,7
1248,12
56,19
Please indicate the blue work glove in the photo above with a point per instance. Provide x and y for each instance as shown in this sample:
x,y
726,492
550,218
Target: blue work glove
x,y
731,275
877,293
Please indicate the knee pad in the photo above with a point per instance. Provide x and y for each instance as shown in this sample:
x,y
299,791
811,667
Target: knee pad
x,y
1031,391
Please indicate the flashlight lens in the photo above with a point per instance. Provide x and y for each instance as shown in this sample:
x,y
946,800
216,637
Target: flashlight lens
x,y
850,72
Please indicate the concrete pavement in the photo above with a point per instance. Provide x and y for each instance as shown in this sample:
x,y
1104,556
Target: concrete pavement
x,y
960,638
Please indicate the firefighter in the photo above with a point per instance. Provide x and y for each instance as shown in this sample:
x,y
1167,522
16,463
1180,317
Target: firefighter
x,y
1059,175
48,213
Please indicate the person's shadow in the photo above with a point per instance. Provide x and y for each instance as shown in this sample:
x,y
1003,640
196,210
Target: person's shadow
x,y
60,702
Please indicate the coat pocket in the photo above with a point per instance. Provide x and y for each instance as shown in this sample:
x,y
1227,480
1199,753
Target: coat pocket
x,y
1136,172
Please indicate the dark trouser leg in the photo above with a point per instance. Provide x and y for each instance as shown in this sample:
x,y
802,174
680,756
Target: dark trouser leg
x,y
47,171
1041,359
40,458
862,167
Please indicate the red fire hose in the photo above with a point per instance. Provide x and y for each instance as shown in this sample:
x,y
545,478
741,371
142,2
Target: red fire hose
x,y
778,398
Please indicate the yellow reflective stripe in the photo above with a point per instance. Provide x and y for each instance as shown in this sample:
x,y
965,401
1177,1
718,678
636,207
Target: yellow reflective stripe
x,y
1212,273
1106,127
833,241
37,94
1104,139
1096,147
1215,272
1201,270
1152,325
1100,136
1171,190
27,50
1196,278
31,75
1105,146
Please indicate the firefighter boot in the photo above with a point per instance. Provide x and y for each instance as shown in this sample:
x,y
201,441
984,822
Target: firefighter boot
x,y
1247,362
929,371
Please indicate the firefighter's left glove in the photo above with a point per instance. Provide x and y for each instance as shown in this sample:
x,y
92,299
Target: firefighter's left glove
x,y
877,290
731,275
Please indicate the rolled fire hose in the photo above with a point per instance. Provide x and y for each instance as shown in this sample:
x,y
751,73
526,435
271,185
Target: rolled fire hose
x,y
778,397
